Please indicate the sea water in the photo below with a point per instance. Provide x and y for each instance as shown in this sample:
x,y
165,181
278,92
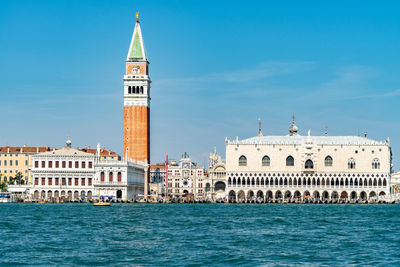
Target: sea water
x,y
199,234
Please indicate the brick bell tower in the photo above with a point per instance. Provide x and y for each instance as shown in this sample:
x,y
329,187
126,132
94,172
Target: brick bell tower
x,y
137,100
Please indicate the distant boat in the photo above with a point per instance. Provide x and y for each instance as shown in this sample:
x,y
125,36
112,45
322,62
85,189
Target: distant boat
x,y
101,203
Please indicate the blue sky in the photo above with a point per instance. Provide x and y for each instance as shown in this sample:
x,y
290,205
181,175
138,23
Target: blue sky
x,y
216,66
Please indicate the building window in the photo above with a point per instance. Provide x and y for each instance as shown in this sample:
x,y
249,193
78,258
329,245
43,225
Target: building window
x,y
76,181
90,164
70,164
309,164
328,161
5,162
376,164
56,181
289,161
351,164
36,181
83,181
110,177
26,162
102,176
83,164
10,162
119,177
16,163
69,181
242,161
57,164
43,181
89,181
266,161
50,164
50,181
64,164
43,164
76,164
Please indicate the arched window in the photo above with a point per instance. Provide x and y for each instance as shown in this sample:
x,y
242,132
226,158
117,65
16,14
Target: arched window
x,y
119,177
102,177
289,161
229,181
376,164
328,161
242,161
266,161
141,89
309,164
129,90
351,163
110,177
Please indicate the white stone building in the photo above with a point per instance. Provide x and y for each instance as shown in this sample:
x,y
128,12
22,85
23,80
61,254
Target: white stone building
x,y
69,174
395,185
64,174
185,178
120,179
308,167
217,177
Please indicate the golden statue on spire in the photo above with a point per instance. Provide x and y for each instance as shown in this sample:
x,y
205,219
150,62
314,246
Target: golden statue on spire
x,y
137,16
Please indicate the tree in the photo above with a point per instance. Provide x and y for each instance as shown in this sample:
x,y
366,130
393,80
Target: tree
x,y
18,178
3,185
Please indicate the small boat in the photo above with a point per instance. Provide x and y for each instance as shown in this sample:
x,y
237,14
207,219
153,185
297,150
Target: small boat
x,y
41,201
101,203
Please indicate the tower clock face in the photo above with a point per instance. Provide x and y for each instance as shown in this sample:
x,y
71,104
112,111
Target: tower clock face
x,y
136,70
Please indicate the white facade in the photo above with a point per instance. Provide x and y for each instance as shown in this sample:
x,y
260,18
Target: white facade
x,y
120,179
185,178
64,174
69,174
301,167
395,185
217,176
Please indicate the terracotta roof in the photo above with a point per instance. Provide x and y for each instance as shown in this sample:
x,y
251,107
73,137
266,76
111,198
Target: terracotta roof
x,y
103,151
24,149
159,166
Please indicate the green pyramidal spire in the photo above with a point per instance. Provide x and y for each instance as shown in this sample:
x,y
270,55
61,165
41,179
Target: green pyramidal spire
x,y
136,49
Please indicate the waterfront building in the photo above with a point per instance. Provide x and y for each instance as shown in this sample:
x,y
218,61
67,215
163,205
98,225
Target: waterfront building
x,y
121,180
14,160
308,167
64,174
395,185
217,176
185,178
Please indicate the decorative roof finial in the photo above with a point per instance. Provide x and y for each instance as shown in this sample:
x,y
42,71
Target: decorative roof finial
x,y
293,128
137,16
326,130
293,118
68,141
259,127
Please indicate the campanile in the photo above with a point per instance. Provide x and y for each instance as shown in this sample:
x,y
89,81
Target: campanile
x,y
137,100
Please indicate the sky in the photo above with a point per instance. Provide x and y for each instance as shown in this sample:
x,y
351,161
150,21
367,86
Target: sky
x,y
216,67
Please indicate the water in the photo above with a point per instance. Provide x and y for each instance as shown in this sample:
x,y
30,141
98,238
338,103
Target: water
x,y
199,234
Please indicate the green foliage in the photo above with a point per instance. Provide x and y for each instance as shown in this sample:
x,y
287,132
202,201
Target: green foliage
x,y
3,186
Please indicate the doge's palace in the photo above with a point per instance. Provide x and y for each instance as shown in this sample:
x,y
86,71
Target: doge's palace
x,y
314,168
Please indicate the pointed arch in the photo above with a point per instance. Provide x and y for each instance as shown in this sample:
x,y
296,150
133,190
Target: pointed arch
x,y
328,161
242,160
265,161
289,161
